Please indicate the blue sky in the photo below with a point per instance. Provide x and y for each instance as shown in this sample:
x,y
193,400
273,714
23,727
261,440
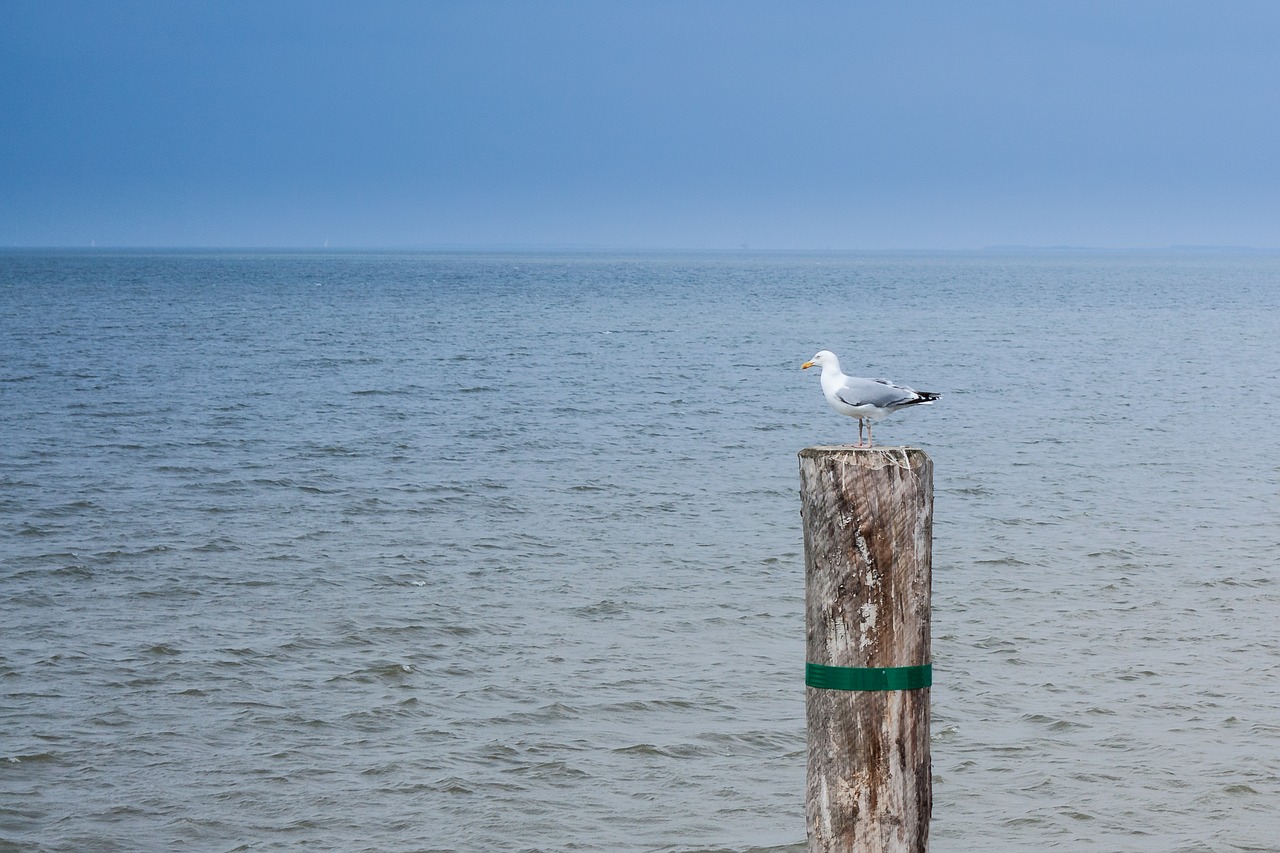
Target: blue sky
x,y
645,124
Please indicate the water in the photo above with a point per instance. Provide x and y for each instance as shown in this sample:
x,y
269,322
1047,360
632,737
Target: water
x,y
404,552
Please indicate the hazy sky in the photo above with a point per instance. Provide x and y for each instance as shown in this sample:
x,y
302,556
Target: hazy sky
x,y
789,125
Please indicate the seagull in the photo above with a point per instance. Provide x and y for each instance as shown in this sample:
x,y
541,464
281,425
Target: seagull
x,y
865,399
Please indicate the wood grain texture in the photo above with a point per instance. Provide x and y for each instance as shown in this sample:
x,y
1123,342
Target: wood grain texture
x,y
868,520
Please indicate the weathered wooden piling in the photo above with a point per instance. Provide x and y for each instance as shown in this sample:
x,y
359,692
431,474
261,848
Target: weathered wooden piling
x,y
868,537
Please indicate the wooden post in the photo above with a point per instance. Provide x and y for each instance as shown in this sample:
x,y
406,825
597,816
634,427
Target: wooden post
x,y
868,538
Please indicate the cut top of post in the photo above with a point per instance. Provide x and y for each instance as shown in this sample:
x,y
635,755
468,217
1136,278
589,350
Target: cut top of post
x,y
910,458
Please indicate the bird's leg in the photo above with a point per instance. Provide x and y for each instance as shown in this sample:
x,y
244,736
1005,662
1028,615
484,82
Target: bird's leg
x,y
868,433
860,424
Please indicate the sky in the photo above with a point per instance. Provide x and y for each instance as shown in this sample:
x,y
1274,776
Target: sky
x,y
649,124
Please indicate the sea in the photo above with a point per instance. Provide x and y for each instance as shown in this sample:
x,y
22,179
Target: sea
x,y
452,552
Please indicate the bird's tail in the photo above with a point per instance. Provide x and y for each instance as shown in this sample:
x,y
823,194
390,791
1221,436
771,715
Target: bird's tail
x,y
922,398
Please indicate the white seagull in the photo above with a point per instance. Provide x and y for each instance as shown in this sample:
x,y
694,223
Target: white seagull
x,y
865,399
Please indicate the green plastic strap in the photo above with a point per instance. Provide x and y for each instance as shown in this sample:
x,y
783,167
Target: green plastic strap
x,y
868,677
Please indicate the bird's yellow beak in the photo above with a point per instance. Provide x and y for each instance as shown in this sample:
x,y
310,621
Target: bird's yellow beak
x,y
806,365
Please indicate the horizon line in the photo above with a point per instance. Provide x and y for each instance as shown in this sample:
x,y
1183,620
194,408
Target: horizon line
x,y
592,248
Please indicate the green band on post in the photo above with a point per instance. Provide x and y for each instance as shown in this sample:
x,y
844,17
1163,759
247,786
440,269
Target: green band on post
x,y
868,678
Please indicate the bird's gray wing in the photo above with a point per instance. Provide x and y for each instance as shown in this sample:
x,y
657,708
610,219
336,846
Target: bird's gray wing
x,y
875,392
